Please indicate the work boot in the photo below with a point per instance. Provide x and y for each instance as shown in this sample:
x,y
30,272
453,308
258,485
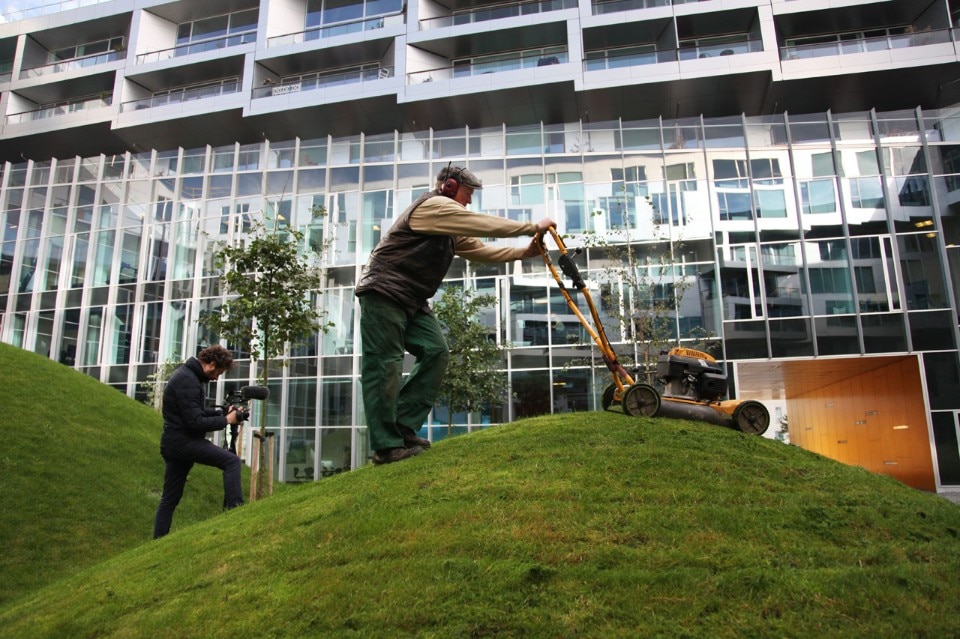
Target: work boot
x,y
390,455
410,437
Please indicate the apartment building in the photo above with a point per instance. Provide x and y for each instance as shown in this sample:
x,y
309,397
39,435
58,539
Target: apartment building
x,y
796,161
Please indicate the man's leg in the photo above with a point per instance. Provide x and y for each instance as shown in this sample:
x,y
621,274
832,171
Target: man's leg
x,y
205,452
209,454
174,478
382,327
424,339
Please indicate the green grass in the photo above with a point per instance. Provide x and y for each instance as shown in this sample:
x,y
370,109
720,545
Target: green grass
x,y
81,473
584,525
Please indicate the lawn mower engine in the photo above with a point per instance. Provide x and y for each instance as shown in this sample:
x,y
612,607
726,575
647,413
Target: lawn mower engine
x,y
693,385
690,374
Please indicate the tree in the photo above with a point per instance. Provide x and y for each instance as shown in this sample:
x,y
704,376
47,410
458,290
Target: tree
x,y
644,283
474,377
272,288
156,382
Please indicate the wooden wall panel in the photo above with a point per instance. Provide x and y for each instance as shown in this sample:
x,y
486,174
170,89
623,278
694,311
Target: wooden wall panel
x,y
876,419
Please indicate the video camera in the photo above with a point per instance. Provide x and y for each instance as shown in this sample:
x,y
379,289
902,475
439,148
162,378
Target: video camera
x,y
238,400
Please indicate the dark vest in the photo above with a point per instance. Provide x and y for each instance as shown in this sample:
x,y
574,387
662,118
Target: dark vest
x,y
408,267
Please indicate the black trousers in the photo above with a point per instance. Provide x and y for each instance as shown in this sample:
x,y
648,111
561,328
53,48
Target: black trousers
x,y
180,453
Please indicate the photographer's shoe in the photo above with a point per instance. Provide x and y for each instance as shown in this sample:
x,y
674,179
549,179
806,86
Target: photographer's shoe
x,y
390,455
410,437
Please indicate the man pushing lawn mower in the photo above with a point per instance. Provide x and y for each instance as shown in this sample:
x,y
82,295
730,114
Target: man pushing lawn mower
x,y
404,271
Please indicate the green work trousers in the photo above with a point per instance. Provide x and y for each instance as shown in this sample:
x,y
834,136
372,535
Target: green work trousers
x,y
385,334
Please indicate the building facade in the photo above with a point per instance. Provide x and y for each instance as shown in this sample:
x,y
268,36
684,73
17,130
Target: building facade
x,y
784,174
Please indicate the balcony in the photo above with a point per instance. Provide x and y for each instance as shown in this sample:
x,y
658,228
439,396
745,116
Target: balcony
x,y
339,29
498,63
496,12
838,45
612,6
73,64
707,49
314,81
184,94
626,57
43,8
201,46
45,112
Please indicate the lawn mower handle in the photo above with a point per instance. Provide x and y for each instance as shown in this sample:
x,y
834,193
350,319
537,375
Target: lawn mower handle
x,y
621,378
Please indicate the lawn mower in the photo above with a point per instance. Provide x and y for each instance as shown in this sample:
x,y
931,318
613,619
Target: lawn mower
x,y
693,382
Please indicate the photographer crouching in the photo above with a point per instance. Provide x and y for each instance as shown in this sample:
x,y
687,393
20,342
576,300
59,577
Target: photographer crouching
x,y
186,421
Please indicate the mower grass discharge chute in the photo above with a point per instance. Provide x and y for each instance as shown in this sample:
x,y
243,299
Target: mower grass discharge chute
x,y
692,380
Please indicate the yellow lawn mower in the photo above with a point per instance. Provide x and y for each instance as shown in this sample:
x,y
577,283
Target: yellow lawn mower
x,y
693,382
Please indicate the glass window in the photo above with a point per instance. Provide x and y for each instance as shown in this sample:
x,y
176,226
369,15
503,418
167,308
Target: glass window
x,y
921,271
866,193
300,443
727,169
734,206
313,152
249,158
943,380
770,204
209,28
531,393
382,7
822,164
524,143
867,163
913,190
336,402
791,338
818,196
244,21
745,340
837,335
945,430
340,11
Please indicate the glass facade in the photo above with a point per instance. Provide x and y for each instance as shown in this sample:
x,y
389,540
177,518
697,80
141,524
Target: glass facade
x,y
765,237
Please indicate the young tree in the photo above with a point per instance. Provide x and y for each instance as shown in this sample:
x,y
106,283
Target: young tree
x,y
474,377
645,283
272,286
156,382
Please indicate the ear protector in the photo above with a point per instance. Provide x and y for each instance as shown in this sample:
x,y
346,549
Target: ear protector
x,y
451,185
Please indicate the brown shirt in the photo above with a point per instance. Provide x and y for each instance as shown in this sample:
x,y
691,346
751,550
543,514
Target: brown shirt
x,y
440,215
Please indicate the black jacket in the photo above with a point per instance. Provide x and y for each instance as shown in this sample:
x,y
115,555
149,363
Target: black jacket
x,y
184,399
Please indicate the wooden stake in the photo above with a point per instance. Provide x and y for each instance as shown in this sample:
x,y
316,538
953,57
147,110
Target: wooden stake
x,y
271,442
254,468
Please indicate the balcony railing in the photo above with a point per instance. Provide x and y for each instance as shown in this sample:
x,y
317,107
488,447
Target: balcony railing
x,y
626,57
185,94
861,45
43,113
495,12
494,64
644,54
316,81
75,63
720,49
330,31
612,6
189,48
37,8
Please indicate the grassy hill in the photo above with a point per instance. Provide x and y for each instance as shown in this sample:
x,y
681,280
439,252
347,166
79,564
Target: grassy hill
x,y
584,525
81,473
